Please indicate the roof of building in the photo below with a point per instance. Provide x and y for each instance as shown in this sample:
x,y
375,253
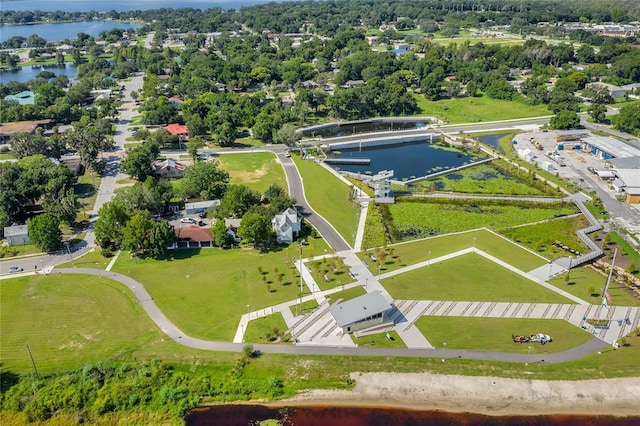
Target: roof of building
x,y
612,146
23,98
626,162
609,87
359,308
232,223
630,177
21,126
201,204
177,129
193,233
15,230
169,163
176,100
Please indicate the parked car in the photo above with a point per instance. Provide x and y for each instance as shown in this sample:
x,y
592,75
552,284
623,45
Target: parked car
x,y
187,220
202,215
15,269
540,338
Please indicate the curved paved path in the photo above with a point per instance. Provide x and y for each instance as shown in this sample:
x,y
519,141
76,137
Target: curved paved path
x,y
171,330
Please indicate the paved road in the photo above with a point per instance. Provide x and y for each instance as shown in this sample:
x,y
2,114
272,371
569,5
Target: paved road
x,y
296,190
173,332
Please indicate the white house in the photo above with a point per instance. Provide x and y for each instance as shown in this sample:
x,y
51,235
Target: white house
x,y
286,226
17,235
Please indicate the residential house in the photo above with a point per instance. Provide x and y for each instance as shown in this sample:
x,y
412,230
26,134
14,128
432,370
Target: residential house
x,y
366,311
17,235
23,98
286,226
176,101
8,129
193,236
168,169
614,91
179,130
352,84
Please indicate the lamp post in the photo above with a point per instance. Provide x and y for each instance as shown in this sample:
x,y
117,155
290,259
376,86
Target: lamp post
x,y
242,328
365,283
248,317
528,352
444,346
550,268
429,259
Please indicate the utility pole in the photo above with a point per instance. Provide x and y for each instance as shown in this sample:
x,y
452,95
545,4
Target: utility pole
x,y
35,370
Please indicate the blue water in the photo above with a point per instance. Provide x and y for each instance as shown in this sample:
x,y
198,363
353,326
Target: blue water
x,y
120,5
27,73
491,140
63,30
406,160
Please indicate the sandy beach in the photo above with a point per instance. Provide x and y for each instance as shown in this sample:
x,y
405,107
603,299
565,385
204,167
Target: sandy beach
x,y
482,395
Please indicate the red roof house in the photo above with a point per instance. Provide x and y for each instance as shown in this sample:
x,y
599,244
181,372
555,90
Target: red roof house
x,y
179,130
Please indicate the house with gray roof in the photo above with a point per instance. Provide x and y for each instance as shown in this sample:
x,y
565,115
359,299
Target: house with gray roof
x,y
17,235
366,311
286,226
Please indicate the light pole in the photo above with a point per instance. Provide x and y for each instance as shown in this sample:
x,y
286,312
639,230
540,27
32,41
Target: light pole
x,y
365,283
528,352
550,268
248,317
242,328
444,346
429,259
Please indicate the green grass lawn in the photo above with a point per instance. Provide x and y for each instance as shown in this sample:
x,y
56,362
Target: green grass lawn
x,y
93,259
419,251
7,155
348,294
257,170
374,233
205,292
69,320
540,237
494,334
307,307
332,268
479,109
581,278
10,252
380,340
459,279
422,219
267,329
330,198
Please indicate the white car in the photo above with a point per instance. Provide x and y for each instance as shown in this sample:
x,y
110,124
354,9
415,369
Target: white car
x,y
15,269
187,220
540,338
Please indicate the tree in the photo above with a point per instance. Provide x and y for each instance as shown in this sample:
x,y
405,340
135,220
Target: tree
x,y
112,218
139,159
161,238
150,195
204,179
237,200
88,142
193,145
628,119
255,228
565,120
220,235
598,113
286,135
136,234
24,144
45,233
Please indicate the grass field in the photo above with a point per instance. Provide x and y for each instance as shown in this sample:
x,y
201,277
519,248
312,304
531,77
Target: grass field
x,y
266,329
329,197
70,320
30,304
479,109
92,259
458,279
205,292
257,170
415,220
332,268
419,251
374,233
581,278
348,294
540,237
380,340
494,334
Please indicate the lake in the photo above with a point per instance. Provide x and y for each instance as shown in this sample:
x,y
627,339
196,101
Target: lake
x,y
63,30
27,73
121,5
407,160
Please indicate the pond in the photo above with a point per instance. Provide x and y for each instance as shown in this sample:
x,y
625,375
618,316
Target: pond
x,y
27,73
492,140
408,161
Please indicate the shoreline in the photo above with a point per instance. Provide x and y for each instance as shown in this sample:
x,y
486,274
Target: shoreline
x,y
491,396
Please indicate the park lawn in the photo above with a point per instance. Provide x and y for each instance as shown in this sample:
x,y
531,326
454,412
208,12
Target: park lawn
x,y
626,250
426,218
494,334
7,156
307,307
332,268
87,190
329,197
267,329
478,109
205,292
422,250
344,295
374,233
540,237
70,320
16,251
380,340
92,259
581,278
469,277
257,170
